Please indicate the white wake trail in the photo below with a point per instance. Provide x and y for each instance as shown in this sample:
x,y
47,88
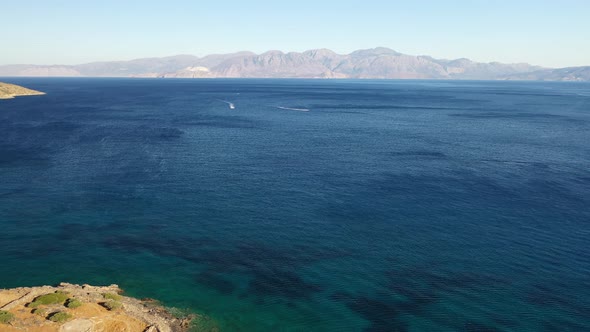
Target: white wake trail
x,y
293,109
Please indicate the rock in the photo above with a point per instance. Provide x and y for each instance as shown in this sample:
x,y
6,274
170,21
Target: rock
x,y
8,91
135,315
78,325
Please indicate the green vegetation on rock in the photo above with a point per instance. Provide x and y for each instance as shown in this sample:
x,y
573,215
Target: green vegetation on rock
x,y
112,305
73,303
112,296
39,311
5,316
47,308
53,298
59,317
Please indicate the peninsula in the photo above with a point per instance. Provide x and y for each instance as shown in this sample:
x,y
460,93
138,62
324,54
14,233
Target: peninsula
x,y
69,308
8,91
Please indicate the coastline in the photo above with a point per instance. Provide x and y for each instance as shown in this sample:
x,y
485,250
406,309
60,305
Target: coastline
x,y
83,308
9,91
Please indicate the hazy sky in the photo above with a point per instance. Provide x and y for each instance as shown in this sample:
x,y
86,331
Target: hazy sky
x,y
543,32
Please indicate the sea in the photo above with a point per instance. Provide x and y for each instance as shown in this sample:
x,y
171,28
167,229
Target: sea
x,y
312,205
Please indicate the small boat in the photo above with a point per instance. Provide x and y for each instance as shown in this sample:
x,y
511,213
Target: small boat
x,y
229,104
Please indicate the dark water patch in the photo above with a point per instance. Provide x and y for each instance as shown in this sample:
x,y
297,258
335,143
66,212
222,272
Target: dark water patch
x,y
464,280
118,197
44,133
479,327
416,296
442,280
248,256
309,254
58,126
387,306
545,296
13,192
504,322
351,112
535,164
180,247
146,132
388,313
39,248
91,232
159,132
215,281
413,291
217,121
550,191
120,137
169,133
39,128
253,257
550,297
37,141
122,179
14,156
511,115
378,97
382,316
377,107
272,270
419,304
73,231
391,194
129,244
298,253
583,179
280,282
562,325
420,154
521,93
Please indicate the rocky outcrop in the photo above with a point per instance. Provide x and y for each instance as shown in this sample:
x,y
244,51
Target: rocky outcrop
x,y
32,314
8,91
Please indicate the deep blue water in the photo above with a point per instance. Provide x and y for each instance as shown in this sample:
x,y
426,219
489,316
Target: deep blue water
x,y
389,206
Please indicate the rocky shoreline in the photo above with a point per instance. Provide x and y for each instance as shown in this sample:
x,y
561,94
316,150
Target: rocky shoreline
x,y
9,91
83,308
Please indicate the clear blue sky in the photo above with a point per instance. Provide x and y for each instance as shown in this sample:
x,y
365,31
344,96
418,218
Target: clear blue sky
x,y
553,33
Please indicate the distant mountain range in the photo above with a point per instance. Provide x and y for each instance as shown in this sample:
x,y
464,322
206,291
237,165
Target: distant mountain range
x,y
377,63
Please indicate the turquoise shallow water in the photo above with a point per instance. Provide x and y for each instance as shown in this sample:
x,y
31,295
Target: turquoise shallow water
x,y
389,206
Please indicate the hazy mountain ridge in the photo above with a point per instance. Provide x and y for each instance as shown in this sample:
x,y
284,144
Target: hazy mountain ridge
x,y
560,74
377,63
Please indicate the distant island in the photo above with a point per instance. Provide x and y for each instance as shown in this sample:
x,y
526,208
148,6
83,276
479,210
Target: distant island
x,y
73,308
8,91
376,63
